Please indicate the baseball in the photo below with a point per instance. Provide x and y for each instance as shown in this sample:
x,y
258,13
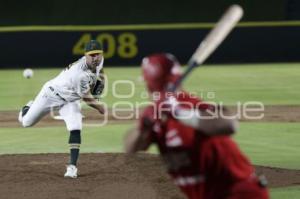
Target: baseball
x,y
28,73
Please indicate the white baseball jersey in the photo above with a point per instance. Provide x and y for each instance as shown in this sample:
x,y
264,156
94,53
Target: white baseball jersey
x,y
73,82
64,93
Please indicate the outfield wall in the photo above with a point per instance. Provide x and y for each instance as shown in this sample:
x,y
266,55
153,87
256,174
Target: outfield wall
x,y
95,12
32,46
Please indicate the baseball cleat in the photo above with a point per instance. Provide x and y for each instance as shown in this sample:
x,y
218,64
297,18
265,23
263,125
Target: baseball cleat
x,y
71,171
24,110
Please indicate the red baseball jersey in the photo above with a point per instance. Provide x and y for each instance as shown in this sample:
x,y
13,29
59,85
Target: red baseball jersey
x,y
204,167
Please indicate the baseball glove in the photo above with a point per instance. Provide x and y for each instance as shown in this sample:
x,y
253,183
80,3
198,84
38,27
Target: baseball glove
x,y
98,88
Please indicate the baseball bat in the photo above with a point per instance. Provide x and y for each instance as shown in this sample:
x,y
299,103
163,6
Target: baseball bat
x,y
212,40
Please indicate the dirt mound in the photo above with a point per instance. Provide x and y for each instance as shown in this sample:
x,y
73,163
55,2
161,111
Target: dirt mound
x,y
106,176
278,177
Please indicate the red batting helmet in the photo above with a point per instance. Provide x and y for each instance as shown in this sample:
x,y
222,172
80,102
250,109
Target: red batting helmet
x,y
159,70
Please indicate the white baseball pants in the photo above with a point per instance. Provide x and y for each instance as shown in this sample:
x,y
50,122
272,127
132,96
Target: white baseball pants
x,y
48,100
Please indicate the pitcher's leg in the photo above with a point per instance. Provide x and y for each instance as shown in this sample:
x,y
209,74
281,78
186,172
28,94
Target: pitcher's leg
x,y
71,114
31,114
73,119
24,111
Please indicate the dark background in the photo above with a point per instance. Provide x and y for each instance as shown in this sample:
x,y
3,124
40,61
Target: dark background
x,y
97,12
259,42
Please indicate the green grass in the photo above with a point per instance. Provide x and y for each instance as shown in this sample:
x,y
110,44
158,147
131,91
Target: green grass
x,y
271,144
285,193
268,83
55,139
267,144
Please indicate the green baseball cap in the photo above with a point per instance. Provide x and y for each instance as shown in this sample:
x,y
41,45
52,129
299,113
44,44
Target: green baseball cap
x,y
93,47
